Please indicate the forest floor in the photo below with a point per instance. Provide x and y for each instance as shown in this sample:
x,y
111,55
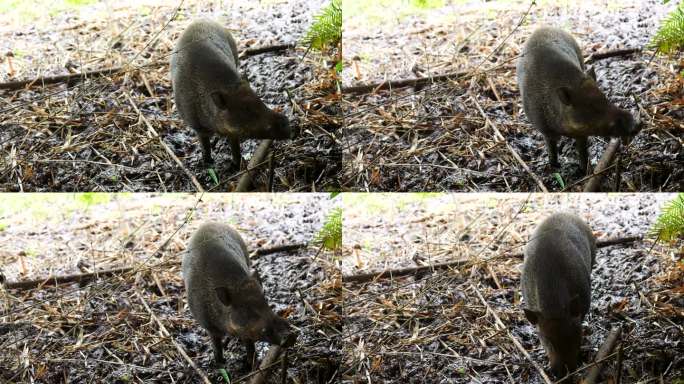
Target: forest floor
x,y
102,331
89,136
435,138
439,327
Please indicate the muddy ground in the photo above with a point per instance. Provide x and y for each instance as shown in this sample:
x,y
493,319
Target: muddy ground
x,y
436,139
86,136
434,328
102,332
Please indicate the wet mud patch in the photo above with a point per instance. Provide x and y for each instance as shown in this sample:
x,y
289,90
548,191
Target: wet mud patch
x,y
88,136
440,327
102,330
436,137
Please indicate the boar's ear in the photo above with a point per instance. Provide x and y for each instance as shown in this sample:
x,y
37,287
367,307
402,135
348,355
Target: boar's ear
x,y
531,316
575,306
591,73
220,99
223,295
565,95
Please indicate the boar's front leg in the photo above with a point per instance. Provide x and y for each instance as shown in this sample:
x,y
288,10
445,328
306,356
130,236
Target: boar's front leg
x,y
552,149
217,341
205,141
581,146
235,149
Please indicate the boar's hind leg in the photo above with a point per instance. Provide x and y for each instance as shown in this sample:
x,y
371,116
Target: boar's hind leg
x,y
235,149
205,141
552,149
217,341
581,146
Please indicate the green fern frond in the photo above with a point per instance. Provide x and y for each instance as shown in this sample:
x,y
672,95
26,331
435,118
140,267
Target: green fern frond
x,y
330,235
670,223
670,36
326,31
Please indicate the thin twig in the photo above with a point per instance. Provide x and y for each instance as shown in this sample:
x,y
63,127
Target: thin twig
x,y
166,333
168,150
513,338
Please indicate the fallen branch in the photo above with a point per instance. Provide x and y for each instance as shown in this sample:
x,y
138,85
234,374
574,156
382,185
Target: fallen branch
x,y
594,183
605,350
594,57
515,341
257,160
168,150
268,48
278,248
44,80
80,76
390,84
166,333
85,277
391,273
418,81
269,361
56,280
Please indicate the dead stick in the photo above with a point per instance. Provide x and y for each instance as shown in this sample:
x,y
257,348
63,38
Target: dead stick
x,y
256,161
168,150
166,333
510,336
264,368
390,273
618,365
604,351
594,182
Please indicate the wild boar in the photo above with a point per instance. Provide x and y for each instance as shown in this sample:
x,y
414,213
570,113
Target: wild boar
x,y
561,97
210,95
224,296
556,286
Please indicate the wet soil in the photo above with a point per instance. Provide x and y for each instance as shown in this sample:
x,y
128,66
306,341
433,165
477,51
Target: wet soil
x,y
85,136
436,139
101,330
433,328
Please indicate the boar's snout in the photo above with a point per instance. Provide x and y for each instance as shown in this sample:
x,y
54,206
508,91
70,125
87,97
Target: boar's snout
x,y
281,127
279,332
